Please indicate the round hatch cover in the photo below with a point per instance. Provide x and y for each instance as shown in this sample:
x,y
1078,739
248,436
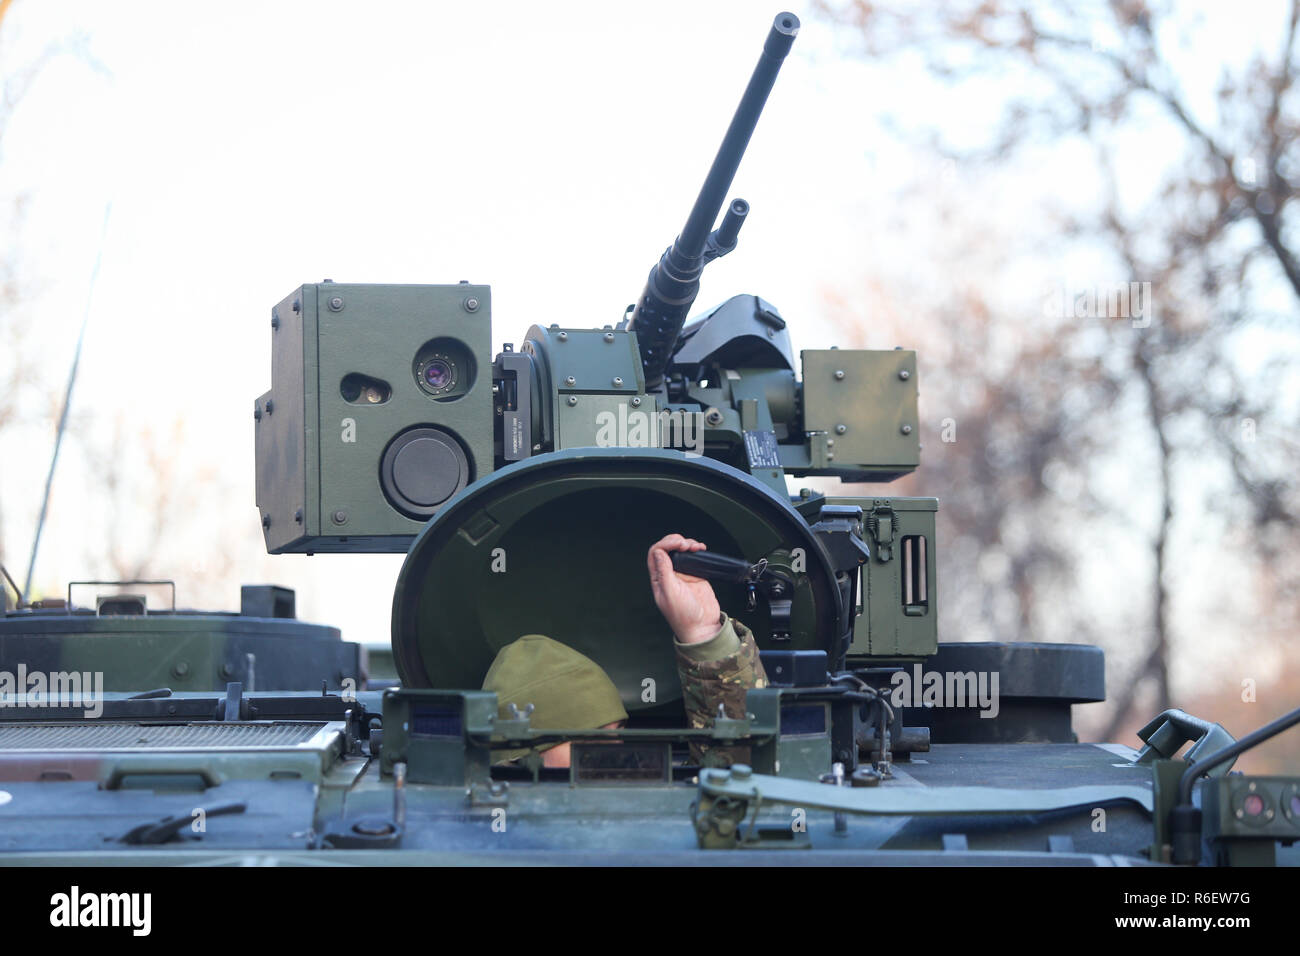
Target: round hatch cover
x,y
556,545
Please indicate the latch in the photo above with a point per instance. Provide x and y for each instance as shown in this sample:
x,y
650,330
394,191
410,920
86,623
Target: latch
x,y
881,525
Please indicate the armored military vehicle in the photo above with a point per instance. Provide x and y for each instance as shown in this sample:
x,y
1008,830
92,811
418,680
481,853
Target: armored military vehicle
x,y
525,489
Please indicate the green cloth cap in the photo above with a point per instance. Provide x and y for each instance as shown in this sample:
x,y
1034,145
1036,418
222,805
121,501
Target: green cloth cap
x,y
568,690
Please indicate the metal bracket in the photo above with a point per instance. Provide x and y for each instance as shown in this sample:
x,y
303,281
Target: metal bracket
x,y
1166,734
739,789
881,524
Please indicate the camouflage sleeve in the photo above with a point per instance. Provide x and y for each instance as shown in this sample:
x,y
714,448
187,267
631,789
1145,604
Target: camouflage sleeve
x,y
716,673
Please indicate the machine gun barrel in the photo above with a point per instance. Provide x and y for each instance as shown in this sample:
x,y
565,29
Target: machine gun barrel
x,y
673,283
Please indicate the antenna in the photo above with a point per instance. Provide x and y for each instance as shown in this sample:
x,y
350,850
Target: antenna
x,y
67,402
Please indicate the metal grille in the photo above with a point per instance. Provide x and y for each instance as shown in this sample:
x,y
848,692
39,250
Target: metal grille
x,y
120,736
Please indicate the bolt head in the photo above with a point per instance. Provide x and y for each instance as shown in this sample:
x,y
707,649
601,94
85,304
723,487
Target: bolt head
x,y
636,401
618,381
609,336
181,669
570,380
904,374
841,429
906,429
563,336
573,399
336,303
270,406
339,517
741,771
297,305
839,374
471,304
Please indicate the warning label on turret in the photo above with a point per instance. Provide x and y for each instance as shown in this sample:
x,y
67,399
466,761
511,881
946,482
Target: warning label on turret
x,y
760,448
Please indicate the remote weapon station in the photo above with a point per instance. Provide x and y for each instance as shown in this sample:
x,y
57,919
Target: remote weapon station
x,y
525,489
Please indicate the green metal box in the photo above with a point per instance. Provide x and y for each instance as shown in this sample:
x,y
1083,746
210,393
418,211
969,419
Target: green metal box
x,y
860,412
380,409
897,614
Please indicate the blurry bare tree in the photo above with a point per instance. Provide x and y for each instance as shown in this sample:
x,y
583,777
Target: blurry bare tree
x,y
1040,403
153,503
17,370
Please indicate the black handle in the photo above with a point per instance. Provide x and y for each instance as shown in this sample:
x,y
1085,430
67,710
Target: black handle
x,y
712,567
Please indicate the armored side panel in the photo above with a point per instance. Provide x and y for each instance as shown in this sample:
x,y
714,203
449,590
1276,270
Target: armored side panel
x,y
596,387
859,414
380,410
186,651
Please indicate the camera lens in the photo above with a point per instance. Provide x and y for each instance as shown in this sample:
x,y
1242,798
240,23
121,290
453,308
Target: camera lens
x,y
438,374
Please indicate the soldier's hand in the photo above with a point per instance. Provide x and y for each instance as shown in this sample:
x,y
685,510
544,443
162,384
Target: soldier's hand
x,y
686,602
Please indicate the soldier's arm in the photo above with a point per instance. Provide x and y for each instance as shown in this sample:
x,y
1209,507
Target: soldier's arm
x,y
718,672
717,658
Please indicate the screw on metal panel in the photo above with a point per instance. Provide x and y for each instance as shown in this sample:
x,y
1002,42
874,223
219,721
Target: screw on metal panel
x,y
904,374
618,381
563,336
573,399
636,401
609,336
257,414
839,373
270,406
297,305
471,304
181,669
841,429
297,516
336,303
266,521
275,319
906,429
339,517
713,416
570,380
